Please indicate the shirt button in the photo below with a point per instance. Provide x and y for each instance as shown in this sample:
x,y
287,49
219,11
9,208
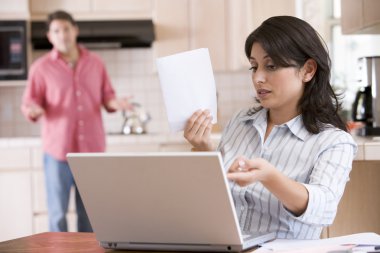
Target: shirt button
x,y
81,123
80,108
78,93
81,137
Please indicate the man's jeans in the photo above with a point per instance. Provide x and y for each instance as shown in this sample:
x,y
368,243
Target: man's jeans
x,y
59,180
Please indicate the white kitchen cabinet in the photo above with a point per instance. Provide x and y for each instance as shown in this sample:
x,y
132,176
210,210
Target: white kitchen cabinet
x,y
219,25
190,24
261,10
208,29
242,17
16,204
14,9
94,9
360,16
15,193
171,27
41,8
16,158
41,223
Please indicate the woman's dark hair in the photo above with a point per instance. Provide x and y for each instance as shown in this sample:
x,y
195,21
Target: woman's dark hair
x,y
288,41
61,15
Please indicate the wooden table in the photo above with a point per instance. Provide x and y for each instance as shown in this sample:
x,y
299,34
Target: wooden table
x,y
54,242
57,242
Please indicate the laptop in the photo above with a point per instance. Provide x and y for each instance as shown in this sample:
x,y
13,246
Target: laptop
x,y
173,201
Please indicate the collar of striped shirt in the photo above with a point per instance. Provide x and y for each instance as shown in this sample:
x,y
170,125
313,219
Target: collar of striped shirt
x,y
295,125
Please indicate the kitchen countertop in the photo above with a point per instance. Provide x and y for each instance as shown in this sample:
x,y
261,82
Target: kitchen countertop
x,y
111,139
368,147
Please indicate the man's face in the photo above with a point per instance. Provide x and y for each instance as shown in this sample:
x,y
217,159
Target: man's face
x,y
62,35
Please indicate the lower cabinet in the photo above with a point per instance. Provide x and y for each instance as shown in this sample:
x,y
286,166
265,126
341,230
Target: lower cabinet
x,y
359,209
16,204
41,222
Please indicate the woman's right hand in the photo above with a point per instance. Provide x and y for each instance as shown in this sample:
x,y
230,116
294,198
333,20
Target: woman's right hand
x,y
198,131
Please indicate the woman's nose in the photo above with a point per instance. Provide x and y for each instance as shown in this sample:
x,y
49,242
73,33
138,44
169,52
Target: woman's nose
x,y
258,76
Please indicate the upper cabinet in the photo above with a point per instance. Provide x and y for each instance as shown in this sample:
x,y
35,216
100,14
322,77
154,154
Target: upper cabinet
x,y
183,25
180,25
94,9
360,16
219,25
14,9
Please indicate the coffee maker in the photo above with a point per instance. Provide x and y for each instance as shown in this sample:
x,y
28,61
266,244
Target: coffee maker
x,y
366,107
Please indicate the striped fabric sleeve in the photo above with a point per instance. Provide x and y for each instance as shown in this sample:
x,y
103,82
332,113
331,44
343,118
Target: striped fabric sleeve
x,y
328,180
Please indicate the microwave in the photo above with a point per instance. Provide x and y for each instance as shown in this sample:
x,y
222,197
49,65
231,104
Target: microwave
x,y
13,56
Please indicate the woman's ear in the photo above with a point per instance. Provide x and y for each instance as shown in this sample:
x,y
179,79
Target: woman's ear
x,y
309,69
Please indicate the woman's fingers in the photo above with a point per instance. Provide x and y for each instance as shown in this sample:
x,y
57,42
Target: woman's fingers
x,y
205,127
240,164
242,178
198,130
241,172
191,121
197,123
246,171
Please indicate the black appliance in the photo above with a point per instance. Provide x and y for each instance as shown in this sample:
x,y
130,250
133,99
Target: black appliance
x,y
13,56
102,34
366,107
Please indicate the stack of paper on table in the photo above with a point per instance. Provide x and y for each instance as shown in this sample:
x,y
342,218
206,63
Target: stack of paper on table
x,y
341,243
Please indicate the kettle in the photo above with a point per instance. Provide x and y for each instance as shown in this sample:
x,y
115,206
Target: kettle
x,y
135,120
362,106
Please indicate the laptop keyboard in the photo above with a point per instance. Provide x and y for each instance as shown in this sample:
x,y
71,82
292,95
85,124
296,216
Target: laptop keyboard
x,y
247,237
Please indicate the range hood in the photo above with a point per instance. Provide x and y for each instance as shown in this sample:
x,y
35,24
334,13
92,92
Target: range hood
x,y
102,34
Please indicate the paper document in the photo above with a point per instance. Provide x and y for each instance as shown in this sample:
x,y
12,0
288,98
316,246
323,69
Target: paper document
x,y
187,84
287,245
314,249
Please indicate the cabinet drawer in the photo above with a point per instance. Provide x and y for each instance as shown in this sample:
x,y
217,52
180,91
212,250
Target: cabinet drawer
x,y
14,158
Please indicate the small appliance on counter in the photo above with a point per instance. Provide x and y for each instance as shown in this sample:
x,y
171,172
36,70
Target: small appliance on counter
x,y
366,107
135,120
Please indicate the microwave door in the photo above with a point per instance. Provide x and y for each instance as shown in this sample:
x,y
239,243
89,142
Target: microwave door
x,y
12,52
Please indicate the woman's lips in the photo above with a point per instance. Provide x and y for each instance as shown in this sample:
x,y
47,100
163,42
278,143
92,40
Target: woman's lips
x,y
262,93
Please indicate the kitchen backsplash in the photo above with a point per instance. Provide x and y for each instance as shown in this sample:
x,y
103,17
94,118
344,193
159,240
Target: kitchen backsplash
x,y
132,72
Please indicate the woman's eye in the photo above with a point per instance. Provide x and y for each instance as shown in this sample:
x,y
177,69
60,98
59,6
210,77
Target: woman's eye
x,y
253,68
271,67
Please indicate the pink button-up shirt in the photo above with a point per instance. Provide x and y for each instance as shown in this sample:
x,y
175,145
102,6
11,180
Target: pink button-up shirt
x,y
72,99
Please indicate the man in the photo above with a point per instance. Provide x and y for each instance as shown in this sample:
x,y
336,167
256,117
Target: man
x,y
66,89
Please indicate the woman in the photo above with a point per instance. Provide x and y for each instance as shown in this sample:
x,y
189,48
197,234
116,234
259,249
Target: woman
x,y
289,157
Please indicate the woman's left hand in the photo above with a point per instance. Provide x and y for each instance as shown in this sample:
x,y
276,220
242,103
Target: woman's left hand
x,y
245,171
293,195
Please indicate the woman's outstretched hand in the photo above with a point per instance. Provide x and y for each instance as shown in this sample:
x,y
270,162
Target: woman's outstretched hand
x,y
293,195
245,171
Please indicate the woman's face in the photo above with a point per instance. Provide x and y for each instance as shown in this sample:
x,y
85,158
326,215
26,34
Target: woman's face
x,y
277,88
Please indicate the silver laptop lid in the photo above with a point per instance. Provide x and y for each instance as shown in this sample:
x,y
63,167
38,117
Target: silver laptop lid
x,y
164,201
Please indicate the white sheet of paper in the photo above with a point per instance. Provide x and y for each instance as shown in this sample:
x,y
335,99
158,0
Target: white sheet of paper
x,y
284,244
187,84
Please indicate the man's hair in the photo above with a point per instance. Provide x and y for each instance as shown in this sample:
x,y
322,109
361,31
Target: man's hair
x,y
61,15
